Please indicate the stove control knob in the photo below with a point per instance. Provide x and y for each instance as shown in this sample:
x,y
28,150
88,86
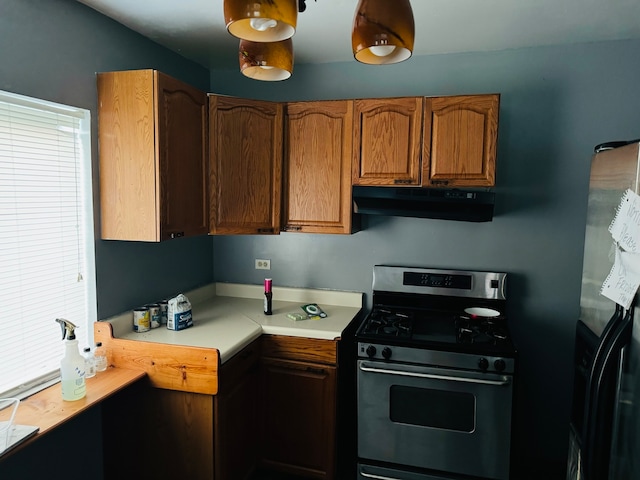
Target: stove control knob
x,y
386,353
483,364
371,351
499,365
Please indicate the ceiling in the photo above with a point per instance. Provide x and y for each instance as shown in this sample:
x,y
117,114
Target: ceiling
x,y
196,29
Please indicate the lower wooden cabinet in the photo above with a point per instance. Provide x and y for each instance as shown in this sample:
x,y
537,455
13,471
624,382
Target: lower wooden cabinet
x,y
298,406
153,433
276,407
236,416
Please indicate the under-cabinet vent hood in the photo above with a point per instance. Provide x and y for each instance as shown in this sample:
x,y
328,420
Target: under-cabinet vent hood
x,y
445,204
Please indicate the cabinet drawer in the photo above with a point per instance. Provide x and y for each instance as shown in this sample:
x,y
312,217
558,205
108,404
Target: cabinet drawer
x,y
298,348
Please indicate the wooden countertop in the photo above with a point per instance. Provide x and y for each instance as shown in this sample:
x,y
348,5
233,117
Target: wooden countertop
x,y
47,410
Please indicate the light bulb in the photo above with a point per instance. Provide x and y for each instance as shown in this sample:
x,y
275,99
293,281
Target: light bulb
x,y
262,24
382,50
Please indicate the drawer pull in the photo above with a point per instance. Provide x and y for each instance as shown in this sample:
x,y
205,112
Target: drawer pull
x,y
317,371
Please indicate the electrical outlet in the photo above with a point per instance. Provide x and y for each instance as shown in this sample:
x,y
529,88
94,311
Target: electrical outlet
x,y
263,264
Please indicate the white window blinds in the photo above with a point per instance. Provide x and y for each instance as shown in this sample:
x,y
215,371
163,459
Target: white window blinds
x,y
46,237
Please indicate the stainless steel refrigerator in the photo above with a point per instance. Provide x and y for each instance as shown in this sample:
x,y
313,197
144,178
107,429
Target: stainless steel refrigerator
x,y
604,441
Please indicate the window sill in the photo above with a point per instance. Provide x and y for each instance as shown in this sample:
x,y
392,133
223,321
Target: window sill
x,y
47,410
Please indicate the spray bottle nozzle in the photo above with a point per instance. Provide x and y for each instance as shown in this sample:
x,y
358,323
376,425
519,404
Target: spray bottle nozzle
x,y
67,328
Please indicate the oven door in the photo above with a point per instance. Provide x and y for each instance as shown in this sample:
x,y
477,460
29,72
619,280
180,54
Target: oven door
x,y
434,418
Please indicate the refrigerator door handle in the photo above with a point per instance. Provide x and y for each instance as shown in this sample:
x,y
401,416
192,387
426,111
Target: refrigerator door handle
x,y
620,336
605,339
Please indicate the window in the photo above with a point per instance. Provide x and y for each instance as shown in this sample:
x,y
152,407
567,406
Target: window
x,y
47,265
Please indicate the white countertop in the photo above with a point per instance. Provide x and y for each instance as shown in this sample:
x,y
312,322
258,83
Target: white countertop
x,y
229,316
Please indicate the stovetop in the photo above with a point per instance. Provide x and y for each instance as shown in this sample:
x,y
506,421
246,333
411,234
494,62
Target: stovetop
x,y
440,330
425,308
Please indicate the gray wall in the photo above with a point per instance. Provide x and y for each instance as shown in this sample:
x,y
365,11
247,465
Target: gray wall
x,y
52,49
556,104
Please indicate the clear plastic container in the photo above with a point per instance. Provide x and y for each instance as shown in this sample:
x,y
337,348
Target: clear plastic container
x,y
89,363
100,356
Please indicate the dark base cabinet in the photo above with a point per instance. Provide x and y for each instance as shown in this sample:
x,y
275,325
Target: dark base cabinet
x,y
298,406
298,417
285,405
150,433
156,434
236,417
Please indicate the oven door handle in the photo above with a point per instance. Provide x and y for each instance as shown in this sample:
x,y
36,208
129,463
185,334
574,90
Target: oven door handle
x,y
432,376
377,477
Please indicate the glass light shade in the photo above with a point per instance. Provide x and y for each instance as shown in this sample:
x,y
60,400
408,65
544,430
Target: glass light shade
x,y
383,31
270,61
261,20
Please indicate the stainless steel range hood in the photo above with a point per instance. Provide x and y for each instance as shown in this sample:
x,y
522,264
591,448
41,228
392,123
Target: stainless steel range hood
x,y
445,204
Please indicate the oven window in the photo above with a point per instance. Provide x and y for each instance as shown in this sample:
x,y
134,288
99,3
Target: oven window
x,y
432,408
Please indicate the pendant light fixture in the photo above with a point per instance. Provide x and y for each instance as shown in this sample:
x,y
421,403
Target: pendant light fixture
x,y
383,31
268,61
261,20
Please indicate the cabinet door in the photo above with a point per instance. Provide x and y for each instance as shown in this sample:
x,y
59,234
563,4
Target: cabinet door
x,y
387,147
459,141
126,138
298,417
245,142
155,434
152,139
317,172
236,416
182,152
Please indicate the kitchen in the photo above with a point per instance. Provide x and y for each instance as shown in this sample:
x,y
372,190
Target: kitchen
x,y
557,102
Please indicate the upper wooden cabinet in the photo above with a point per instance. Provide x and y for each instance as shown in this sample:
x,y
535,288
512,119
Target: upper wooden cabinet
x,y
459,141
387,141
153,163
245,146
317,167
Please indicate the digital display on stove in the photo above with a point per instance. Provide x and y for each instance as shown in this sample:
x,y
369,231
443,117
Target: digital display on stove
x,y
462,282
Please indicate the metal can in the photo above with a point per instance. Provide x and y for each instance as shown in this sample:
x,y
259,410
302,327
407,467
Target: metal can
x,y
164,310
141,321
154,314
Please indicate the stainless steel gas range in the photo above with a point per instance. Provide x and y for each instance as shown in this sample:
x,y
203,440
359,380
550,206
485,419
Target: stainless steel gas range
x,y
435,373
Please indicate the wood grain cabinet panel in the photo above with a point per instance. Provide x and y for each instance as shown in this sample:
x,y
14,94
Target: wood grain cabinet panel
x,y
245,149
236,416
317,167
387,141
151,433
153,162
459,141
155,433
299,417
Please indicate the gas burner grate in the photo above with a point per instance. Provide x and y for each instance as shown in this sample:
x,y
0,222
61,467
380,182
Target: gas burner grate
x,y
481,332
388,323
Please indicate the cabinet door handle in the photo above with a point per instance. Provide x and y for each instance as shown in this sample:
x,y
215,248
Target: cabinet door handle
x,y
294,228
440,182
176,234
402,181
265,230
317,371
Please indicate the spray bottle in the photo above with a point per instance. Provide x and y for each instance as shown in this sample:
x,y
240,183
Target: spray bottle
x,y
72,369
